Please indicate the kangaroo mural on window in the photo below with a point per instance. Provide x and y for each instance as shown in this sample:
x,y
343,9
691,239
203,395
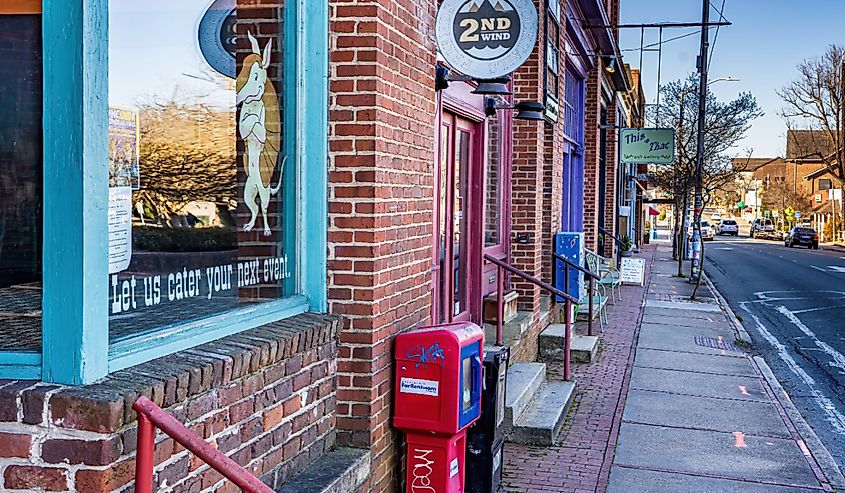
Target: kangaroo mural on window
x,y
259,126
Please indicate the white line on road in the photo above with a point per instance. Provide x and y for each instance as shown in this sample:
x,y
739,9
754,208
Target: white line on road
x,y
838,358
806,310
818,268
834,417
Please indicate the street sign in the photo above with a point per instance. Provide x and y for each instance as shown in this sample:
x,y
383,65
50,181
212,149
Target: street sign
x,y
633,271
797,214
647,145
486,39
741,204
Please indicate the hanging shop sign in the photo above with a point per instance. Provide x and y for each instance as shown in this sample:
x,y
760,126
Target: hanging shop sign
x,y
647,145
486,39
217,36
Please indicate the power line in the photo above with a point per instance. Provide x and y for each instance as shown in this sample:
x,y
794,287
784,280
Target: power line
x,y
652,45
716,37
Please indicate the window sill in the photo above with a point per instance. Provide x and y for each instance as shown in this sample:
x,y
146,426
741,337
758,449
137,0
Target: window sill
x,y
135,350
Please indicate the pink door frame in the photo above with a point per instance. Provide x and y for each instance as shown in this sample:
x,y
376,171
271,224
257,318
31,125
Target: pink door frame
x,y
458,104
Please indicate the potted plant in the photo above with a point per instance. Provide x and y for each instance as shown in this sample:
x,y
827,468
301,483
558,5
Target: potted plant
x,y
626,245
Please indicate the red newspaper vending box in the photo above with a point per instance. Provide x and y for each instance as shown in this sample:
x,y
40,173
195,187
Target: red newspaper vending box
x,y
437,396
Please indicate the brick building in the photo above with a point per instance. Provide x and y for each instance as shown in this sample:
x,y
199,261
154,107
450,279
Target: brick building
x,y
268,329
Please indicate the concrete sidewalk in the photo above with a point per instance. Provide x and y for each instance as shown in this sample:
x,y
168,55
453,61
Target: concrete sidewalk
x,y
699,414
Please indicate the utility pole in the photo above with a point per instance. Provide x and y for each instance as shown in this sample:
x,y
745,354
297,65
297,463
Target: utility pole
x,y
840,151
698,256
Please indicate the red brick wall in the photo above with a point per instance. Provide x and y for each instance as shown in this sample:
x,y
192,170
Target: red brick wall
x,y
265,398
382,117
591,157
527,208
610,185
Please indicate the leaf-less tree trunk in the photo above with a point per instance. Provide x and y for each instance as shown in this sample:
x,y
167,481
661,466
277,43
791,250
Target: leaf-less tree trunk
x,y
682,236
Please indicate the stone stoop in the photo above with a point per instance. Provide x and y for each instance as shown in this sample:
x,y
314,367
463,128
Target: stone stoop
x,y
511,331
553,348
343,470
534,407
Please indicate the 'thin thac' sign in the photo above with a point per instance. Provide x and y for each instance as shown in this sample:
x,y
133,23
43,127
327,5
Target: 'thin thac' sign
x,y
647,145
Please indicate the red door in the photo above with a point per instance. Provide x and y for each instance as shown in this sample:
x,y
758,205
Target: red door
x,y
458,249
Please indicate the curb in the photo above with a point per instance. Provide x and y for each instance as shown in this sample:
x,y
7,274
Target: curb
x,y
734,320
817,449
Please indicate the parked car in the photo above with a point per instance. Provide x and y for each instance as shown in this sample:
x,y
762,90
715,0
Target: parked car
x,y
727,227
763,228
706,231
802,236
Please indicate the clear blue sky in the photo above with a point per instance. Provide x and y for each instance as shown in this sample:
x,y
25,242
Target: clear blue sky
x,y
767,40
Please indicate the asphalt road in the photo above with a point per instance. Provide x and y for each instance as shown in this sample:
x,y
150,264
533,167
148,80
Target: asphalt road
x,y
792,302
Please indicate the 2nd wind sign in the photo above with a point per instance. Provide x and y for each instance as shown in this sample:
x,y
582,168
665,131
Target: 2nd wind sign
x,y
647,145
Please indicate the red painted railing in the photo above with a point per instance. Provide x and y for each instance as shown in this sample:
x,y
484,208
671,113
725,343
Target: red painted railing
x,y
567,340
151,417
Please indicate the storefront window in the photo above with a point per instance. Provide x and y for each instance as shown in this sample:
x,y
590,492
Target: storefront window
x,y
21,190
201,210
493,200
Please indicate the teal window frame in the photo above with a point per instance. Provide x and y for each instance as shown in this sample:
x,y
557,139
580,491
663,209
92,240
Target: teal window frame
x,y
75,321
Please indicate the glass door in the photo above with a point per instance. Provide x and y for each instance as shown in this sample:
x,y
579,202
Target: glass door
x,y
458,161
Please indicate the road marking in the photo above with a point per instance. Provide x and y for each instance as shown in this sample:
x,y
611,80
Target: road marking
x,y
806,310
836,268
838,358
740,439
819,269
834,417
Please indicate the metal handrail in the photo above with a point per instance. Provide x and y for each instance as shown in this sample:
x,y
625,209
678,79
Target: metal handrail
x,y
150,417
593,279
608,233
500,307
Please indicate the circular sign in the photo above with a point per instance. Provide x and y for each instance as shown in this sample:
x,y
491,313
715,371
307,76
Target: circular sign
x,y
217,36
486,39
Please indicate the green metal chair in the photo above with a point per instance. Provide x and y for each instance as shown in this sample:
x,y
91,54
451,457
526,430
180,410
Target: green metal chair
x,y
609,277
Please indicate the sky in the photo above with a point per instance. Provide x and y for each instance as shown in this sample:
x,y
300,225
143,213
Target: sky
x,y
154,55
762,48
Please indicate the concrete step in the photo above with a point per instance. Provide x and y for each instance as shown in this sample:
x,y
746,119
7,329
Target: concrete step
x,y
584,348
511,331
542,420
523,381
343,470
553,345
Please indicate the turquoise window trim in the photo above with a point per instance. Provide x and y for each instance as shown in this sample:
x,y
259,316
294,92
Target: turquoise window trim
x,y
75,274
312,137
168,340
20,365
75,313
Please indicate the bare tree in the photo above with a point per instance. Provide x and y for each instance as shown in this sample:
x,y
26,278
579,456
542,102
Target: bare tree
x,y
726,123
187,154
816,101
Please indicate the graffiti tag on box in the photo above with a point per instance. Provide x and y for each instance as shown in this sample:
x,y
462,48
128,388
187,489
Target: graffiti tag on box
x,y
425,356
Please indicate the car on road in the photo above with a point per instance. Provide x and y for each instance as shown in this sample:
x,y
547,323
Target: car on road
x,y
802,236
706,230
763,228
727,227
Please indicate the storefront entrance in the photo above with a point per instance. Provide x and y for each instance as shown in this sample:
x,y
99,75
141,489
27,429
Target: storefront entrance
x,y
458,201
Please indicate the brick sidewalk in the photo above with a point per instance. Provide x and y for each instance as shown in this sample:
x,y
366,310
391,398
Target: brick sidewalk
x,y
582,459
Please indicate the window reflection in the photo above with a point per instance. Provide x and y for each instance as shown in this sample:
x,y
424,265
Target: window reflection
x,y
197,166
21,191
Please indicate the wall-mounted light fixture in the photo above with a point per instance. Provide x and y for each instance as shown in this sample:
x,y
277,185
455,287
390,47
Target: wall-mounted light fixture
x,y
486,87
610,64
526,110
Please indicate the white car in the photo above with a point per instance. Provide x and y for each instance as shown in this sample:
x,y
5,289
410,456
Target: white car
x,y
706,230
727,227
